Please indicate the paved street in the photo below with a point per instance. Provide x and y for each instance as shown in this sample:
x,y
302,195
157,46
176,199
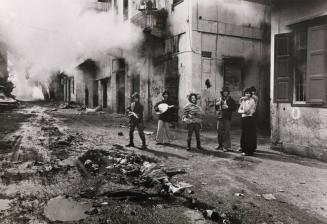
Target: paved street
x,y
41,144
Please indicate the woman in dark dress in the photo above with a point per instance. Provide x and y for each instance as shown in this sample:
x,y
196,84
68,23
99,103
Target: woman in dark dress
x,y
248,137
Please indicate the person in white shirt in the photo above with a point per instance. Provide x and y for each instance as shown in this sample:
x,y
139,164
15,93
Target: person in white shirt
x,y
247,109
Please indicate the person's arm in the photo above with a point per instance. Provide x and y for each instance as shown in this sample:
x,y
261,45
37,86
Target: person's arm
x,y
218,104
249,106
128,110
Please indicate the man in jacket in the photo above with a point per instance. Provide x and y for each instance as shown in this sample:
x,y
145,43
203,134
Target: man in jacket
x,y
225,106
135,113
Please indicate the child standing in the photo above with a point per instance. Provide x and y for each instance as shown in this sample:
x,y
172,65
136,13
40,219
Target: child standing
x,y
192,117
135,113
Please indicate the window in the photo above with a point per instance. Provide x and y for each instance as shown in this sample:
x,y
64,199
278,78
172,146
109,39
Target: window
x,y
172,45
206,54
72,81
125,12
301,66
104,5
116,6
283,69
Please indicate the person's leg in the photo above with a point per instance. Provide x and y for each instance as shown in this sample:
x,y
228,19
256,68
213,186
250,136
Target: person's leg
x,y
160,130
197,128
247,139
255,131
219,133
166,136
189,135
140,129
227,140
242,135
131,134
252,136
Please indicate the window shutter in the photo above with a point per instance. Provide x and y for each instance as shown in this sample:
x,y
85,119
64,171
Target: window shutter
x,y
283,67
317,65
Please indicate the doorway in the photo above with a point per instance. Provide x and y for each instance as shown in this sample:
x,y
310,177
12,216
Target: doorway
x,y
233,79
120,79
104,85
86,97
95,94
135,83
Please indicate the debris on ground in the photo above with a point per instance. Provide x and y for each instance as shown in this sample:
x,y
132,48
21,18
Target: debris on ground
x,y
269,197
148,132
239,195
213,215
93,110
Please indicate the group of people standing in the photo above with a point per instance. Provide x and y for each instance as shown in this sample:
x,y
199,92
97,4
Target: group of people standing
x,y
192,116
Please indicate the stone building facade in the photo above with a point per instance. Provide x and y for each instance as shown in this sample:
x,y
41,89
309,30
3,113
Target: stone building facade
x,y
189,46
299,77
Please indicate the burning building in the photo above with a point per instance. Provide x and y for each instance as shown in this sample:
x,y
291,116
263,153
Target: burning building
x,y
188,46
6,87
299,80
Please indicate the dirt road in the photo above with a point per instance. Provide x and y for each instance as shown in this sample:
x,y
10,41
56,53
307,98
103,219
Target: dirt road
x,y
61,165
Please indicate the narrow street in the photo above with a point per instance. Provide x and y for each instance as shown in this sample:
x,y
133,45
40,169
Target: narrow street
x,y
68,166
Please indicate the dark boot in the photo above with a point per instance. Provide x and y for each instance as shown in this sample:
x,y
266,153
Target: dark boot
x,y
198,145
188,146
143,145
131,144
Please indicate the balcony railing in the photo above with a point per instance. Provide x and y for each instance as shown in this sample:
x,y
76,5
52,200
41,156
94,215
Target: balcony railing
x,y
102,6
152,21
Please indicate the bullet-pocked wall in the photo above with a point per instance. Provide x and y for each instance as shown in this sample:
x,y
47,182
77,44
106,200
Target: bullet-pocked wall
x,y
298,126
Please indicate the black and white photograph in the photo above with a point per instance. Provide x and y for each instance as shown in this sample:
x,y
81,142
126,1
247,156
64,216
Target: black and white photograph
x,y
163,111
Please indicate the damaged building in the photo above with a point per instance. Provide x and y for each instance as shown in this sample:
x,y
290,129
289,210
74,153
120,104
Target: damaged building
x,y
299,77
6,87
189,46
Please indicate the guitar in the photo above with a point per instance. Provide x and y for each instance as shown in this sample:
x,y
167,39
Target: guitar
x,y
130,114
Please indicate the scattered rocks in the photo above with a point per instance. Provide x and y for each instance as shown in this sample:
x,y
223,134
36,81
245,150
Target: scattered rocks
x,y
269,197
213,215
92,211
148,132
239,194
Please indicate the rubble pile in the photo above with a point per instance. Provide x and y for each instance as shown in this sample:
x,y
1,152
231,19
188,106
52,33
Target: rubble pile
x,y
125,175
141,174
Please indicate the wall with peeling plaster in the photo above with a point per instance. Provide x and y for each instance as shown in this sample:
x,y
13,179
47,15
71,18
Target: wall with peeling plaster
x,y
222,37
294,129
225,35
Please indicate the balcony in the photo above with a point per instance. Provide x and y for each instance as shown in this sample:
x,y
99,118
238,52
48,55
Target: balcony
x,y
102,6
152,21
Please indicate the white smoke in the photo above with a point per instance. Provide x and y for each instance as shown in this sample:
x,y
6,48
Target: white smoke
x,y
239,12
45,36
